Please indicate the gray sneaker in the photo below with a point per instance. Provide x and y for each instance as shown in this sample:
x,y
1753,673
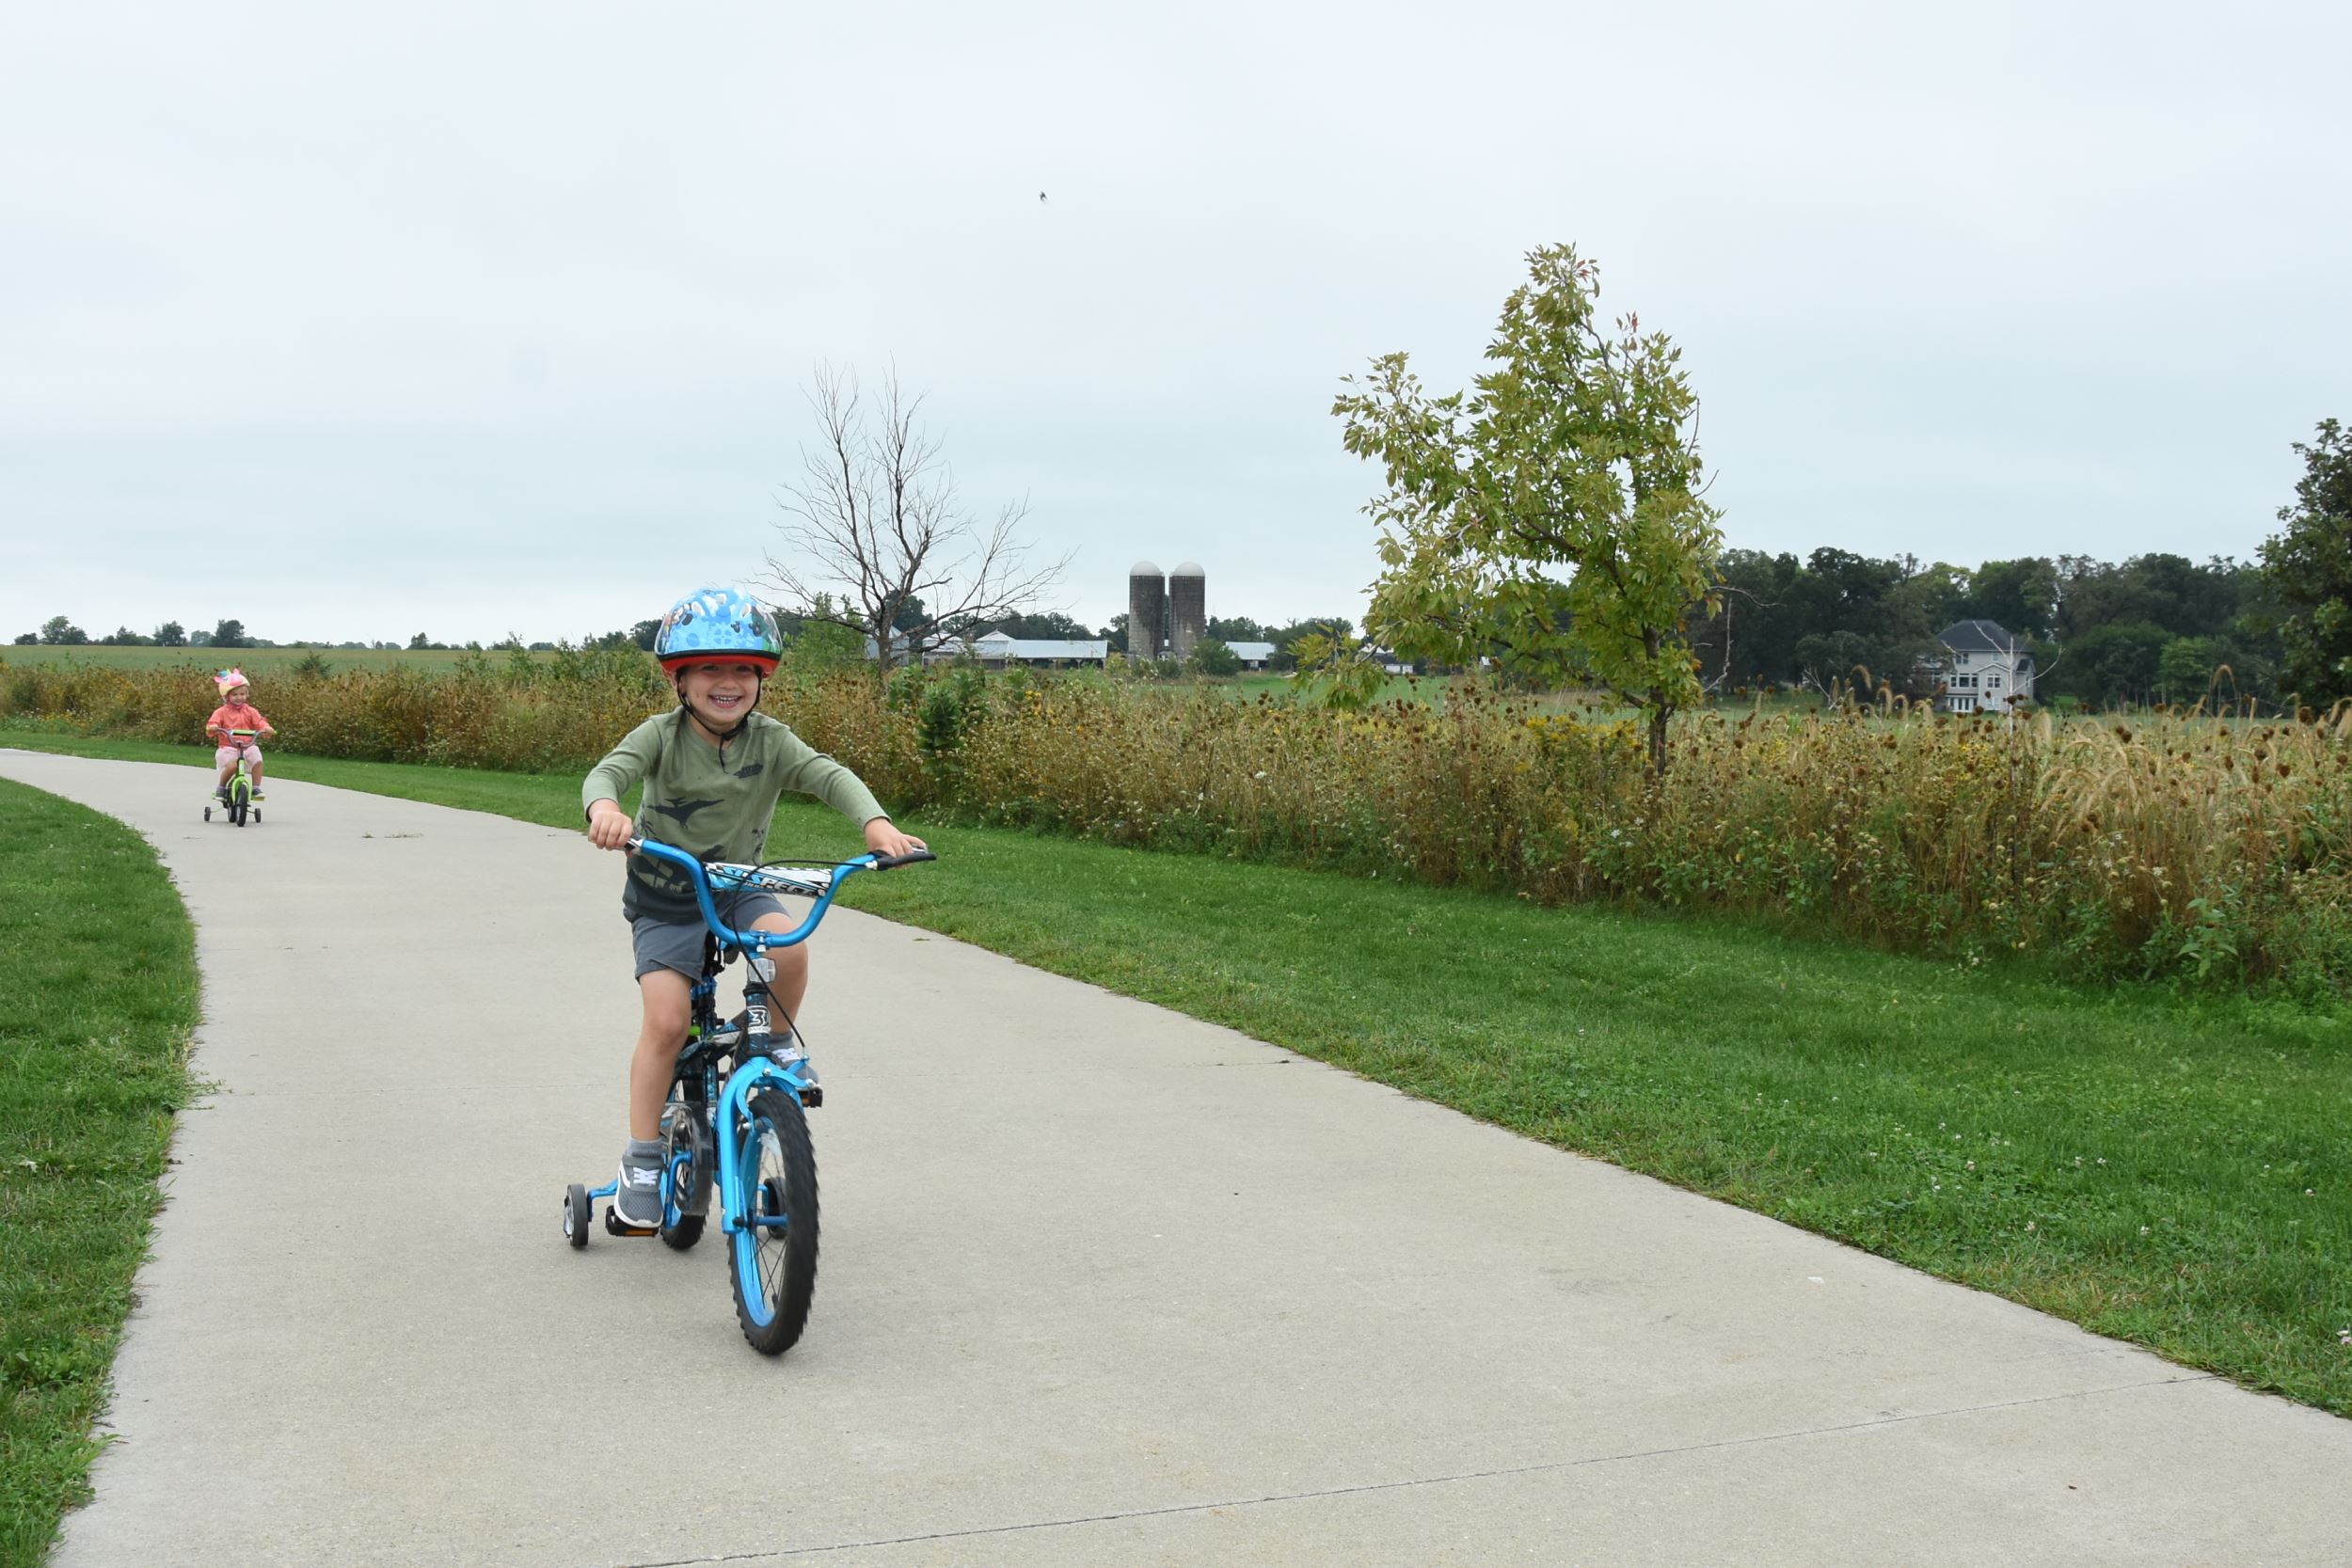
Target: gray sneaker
x,y
638,1198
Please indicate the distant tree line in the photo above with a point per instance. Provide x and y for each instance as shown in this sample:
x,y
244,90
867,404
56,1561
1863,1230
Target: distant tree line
x,y
60,631
2152,628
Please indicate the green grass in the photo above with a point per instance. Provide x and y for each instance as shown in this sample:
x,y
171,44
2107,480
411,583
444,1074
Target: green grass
x,y
2163,1170
100,995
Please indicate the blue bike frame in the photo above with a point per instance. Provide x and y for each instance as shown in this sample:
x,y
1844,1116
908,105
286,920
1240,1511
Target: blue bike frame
x,y
759,1071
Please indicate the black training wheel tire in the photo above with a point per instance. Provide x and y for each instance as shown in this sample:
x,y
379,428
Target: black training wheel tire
x,y
775,1271
208,814
681,1226
577,1210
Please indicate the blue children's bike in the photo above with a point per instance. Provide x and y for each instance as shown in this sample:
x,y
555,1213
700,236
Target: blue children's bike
x,y
735,1119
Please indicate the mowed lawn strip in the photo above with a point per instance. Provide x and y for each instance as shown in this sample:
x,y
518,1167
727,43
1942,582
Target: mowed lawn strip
x,y
2168,1171
98,999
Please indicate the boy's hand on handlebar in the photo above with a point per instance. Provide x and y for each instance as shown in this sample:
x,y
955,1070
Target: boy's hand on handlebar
x,y
883,838
609,826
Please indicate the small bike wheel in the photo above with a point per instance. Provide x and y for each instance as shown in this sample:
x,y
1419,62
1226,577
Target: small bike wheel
x,y
208,814
576,1212
774,1257
685,1183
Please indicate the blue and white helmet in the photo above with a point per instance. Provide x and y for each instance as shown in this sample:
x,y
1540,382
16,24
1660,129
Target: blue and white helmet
x,y
718,624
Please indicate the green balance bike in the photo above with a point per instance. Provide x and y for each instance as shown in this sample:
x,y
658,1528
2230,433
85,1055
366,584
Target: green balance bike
x,y
235,797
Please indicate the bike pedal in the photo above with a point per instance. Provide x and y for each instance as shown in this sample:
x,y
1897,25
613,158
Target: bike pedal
x,y
811,1098
614,1226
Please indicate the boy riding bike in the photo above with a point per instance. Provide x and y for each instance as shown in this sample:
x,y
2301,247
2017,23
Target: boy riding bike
x,y
713,771
236,713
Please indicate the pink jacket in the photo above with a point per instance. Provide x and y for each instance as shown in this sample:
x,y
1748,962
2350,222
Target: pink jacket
x,y
235,715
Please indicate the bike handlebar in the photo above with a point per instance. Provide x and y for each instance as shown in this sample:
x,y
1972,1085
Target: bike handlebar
x,y
820,883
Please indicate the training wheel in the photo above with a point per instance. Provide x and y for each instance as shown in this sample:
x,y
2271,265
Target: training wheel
x,y
208,814
575,1211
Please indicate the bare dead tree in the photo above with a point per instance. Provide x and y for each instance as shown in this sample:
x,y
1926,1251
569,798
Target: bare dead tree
x,y
877,522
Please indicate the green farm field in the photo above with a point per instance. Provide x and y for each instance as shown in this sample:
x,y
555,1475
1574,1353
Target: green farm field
x,y
257,662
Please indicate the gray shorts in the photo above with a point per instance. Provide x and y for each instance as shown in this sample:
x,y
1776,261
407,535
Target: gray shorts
x,y
678,943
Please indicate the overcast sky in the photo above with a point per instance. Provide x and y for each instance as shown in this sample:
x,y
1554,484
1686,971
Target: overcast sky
x,y
465,319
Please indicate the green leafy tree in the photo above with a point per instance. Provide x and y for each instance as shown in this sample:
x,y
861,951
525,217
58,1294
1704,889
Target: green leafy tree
x,y
643,632
171,634
1050,625
230,634
2308,567
2188,667
1828,658
2114,664
60,632
2020,595
1551,518
124,637
27,639
1751,638
1211,657
823,643
1335,670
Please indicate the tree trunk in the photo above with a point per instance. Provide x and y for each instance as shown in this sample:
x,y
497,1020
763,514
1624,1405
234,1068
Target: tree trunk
x,y
1660,711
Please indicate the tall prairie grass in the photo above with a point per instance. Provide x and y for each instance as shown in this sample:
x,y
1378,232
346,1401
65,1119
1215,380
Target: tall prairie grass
x,y
2163,846
522,712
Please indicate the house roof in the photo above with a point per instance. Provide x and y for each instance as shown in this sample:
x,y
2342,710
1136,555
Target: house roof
x,y
997,645
1979,637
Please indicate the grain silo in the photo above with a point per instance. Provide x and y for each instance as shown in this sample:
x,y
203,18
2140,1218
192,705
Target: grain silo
x,y
1147,610
1188,609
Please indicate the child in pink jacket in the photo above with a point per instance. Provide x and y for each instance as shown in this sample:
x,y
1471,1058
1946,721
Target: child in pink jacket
x,y
236,713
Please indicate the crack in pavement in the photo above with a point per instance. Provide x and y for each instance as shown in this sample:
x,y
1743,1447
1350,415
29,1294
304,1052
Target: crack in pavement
x,y
778,1553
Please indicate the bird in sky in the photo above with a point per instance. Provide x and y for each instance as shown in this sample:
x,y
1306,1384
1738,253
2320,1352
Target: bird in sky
x,y
1040,196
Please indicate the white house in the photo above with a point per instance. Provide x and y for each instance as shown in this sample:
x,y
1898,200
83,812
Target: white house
x,y
1253,655
1988,669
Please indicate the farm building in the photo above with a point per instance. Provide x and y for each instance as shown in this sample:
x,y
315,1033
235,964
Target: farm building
x,y
998,651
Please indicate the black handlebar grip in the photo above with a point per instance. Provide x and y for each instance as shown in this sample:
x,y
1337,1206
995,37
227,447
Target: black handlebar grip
x,y
885,862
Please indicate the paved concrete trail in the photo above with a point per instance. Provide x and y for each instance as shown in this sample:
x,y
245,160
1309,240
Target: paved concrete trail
x,y
1100,1284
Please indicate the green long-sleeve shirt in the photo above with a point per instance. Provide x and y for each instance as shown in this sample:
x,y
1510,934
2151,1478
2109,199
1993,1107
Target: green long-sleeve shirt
x,y
713,801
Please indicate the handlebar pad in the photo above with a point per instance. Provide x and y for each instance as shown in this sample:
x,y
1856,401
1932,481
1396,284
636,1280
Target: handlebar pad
x,y
884,863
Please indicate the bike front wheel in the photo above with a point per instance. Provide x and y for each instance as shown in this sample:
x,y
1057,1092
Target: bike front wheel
x,y
774,1257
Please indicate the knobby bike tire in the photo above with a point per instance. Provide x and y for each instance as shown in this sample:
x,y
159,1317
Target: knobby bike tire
x,y
682,1204
775,1271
